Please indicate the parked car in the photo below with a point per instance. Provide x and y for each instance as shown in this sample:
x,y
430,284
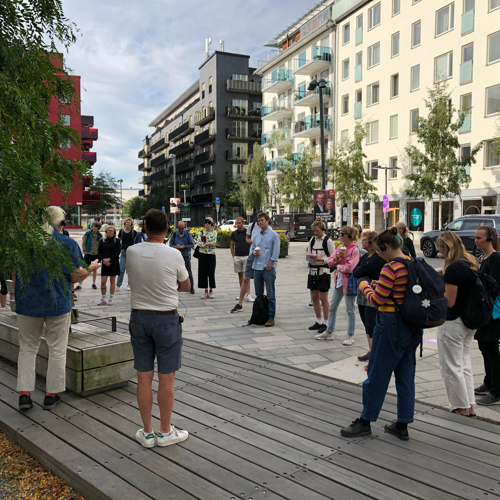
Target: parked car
x,y
295,226
230,225
465,227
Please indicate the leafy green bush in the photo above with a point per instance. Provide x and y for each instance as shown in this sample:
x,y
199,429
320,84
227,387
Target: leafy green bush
x,y
284,241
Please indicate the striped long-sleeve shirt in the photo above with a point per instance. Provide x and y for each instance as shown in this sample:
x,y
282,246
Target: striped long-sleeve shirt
x,y
391,284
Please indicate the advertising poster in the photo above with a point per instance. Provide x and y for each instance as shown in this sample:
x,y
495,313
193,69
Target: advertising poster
x,y
175,205
324,204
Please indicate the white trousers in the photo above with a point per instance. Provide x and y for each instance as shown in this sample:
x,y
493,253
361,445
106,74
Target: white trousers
x,y
56,336
454,345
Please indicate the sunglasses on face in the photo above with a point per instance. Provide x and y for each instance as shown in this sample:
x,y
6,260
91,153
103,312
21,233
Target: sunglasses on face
x,y
208,222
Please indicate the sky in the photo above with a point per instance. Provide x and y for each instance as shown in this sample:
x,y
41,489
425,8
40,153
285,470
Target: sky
x,y
135,58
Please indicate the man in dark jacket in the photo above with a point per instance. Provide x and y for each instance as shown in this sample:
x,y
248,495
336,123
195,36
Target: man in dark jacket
x,y
183,241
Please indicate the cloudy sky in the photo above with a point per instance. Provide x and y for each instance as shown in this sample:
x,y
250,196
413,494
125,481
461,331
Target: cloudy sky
x,y
136,57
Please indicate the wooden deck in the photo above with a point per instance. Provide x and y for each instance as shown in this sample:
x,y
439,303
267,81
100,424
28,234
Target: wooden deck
x,y
258,430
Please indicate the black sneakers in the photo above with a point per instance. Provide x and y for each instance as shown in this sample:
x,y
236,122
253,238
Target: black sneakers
x,y
191,291
322,328
50,401
356,429
78,287
237,308
94,286
25,402
401,433
316,326
482,390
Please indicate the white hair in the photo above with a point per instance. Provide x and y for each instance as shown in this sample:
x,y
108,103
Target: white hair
x,y
56,216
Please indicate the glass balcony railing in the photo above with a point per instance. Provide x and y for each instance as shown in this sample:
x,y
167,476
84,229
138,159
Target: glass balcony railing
x,y
316,54
276,105
312,122
467,22
301,94
274,164
284,76
321,53
357,110
465,125
466,72
358,35
358,73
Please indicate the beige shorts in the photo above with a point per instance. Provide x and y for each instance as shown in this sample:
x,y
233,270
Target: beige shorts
x,y
239,264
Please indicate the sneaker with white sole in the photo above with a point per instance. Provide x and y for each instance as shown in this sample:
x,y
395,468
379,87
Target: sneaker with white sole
x,y
204,296
325,336
211,295
102,302
173,437
128,288
249,298
348,340
110,302
147,440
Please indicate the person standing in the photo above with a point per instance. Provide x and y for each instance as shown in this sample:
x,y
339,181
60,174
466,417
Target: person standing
x,y
454,339
266,250
486,240
240,249
127,237
408,246
41,302
206,242
157,274
109,255
90,247
183,241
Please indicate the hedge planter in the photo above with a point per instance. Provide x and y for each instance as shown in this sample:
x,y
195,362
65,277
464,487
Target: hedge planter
x,y
283,253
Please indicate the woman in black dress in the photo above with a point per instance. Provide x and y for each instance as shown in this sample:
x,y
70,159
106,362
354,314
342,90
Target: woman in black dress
x,y
408,247
486,239
109,254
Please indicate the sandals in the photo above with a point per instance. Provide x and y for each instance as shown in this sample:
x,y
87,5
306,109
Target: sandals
x,y
470,415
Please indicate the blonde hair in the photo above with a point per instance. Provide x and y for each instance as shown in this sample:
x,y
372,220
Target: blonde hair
x,y
402,225
131,222
371,236
456,249
318,223
56,216
106,232
352,232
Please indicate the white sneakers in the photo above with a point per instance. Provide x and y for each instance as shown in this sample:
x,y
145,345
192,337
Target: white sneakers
x,y
151,440
102,302
325,336
204,296
249,298
348,340
128,288
110,302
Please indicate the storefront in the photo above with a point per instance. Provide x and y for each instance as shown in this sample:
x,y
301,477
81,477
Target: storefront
x,y
416,216
446,214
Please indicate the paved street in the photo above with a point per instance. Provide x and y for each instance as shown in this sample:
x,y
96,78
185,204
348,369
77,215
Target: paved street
x,y
289,342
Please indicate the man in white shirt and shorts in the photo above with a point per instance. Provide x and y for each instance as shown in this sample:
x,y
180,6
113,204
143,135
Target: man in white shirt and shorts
x,y
156,273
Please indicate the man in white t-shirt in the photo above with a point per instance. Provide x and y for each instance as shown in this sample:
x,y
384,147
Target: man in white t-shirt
x,y
156,273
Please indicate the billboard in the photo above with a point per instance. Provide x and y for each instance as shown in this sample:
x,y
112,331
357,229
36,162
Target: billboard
x,y
175,205
324,204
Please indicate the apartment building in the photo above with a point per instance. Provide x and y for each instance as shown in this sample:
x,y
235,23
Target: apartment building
x,y
210,129
386,54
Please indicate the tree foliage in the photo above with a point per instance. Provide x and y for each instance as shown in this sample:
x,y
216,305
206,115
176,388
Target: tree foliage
x,y
134,208
437,168
31,162
229,191
108,187
348,174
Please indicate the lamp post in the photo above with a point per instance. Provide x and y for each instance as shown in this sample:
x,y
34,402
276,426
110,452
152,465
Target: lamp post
x,y
121,198
173,157
321,84
385,167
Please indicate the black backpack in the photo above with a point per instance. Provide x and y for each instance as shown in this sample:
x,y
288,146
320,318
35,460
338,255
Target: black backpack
x,y
260,311
325,245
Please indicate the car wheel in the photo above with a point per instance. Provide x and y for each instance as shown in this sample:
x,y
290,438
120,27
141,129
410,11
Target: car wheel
x,y
479,254
429,249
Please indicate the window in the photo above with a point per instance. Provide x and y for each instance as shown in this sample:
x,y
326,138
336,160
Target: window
x,y
395,85
345,69
359,22
240,150
494,47
344,135
396,7
446,214
494,4
209,84
345,104
493,100
416,34
393,163
66,144
373,93
468,52
371,170
393,127
359,58
443,67
415,78
395,45
469,5
374,16
203,90
66,119
243,78
347,33
415,1
465,151
413,121
239,129
372,132
359,95
373,55
445,19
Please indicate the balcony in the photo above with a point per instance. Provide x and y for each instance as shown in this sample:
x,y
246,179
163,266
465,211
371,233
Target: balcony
x,y
158,160
274,164
236,156
181,167
206,116
357,110
280,80
310,98
205,178
89,197
145,179
358,73
241,86
182,148
87,180
89,157
358,36
320,60
277,109
180,132
316,162
89,134
237,112
158,175
467,22
141,192
465,125
144,152
278,138
140,167
205,157
158,145
253,135
87,121
466,72
203,138
310,126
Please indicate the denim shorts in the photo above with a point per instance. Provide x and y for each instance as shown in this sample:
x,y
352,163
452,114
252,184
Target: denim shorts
x,y
156,336
248,267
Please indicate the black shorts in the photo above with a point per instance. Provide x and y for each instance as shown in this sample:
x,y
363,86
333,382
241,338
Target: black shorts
x,y
89,258
3,286
319,282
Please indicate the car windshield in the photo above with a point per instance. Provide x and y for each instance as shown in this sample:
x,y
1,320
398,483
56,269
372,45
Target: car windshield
x,y
455,225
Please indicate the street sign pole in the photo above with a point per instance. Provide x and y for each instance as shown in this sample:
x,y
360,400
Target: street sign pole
x,y
217,206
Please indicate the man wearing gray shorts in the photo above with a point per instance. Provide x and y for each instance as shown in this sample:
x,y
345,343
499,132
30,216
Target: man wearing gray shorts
x,y
156,273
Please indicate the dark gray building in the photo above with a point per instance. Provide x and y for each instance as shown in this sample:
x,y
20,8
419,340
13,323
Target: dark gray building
x,y
210,129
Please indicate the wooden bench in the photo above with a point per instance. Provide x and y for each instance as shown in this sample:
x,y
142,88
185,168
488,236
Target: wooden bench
x,y
97,359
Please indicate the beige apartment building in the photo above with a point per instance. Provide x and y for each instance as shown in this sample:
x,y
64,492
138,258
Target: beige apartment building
x,y
385,55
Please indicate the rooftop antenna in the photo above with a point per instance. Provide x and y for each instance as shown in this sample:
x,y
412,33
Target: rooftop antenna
x,y
208,41
221,45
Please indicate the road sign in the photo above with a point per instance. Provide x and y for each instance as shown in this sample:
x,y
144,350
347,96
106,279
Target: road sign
x,y
163,209
186,219
186,211
217,201
184,184
385,205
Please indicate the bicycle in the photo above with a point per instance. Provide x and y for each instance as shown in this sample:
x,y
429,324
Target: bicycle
x,y
333,233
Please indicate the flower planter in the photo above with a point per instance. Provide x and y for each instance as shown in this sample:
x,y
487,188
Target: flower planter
x,y
283,253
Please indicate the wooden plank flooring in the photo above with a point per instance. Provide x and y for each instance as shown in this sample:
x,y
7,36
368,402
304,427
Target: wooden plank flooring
x,y
258,430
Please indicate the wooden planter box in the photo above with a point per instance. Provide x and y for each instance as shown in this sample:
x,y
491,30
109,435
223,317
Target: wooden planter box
x,y
223,244
283,253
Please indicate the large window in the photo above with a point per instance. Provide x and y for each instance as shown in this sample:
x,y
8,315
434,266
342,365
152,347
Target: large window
x,y
445,19
396,7
345,69
393,127
345,104
416,34
373,55
469,5
443,67
372,132
209,84
371,170
374,16
493,100
414,114
393,163
492,156
347,33
239,129
415,78
446,214
243,78
494,4
395,45
373,94
240,150
66,119
395,85
494,47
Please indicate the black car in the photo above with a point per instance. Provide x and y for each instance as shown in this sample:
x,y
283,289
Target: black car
x,y
465,227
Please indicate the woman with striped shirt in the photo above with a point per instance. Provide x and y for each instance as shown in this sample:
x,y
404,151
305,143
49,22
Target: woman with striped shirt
x,y
393,344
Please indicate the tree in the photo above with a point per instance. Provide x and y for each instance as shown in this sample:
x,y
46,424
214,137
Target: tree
x,y
107,185
32,76
351,182
437,169
134,208
229,191
296,184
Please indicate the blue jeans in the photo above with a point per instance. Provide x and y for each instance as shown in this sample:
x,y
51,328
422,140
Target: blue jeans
x,y
393,350
123,263
350,300
269,278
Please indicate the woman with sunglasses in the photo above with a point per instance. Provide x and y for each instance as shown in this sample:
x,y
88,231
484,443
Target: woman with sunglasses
x,y
206,243
109,255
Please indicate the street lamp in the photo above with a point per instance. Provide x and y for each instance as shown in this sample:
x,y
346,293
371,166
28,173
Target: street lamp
x,y
386,168
121,198
173,157
321,84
